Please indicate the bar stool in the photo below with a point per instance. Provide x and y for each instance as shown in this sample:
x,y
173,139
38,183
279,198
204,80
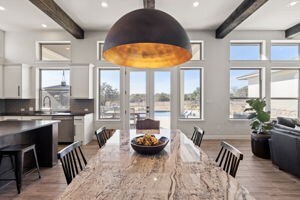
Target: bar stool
x,y
18,151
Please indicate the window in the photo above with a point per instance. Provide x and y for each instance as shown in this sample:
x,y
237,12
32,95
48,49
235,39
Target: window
x,y
54,89
190,93
286,52
245,51
197,49
109,94
244,84
55,51
284,92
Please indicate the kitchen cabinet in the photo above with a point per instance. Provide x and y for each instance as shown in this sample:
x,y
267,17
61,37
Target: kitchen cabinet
x,y
17,81
81,80
1,81
84,128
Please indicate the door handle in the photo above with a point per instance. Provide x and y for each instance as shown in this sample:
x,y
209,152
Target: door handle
x,y
18,90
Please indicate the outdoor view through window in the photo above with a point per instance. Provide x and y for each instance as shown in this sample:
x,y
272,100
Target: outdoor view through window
x,y
245,83
55,89
190,93
109,94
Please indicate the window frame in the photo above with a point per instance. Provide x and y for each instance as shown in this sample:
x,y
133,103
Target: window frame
x,y
40,88
285,43
245,98
39,54
99,53
285,98
98,107
201,85
262,49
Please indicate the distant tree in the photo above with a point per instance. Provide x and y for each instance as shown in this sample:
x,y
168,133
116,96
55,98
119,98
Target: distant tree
x,y
136,98
194,96
239,92
108,94
162,97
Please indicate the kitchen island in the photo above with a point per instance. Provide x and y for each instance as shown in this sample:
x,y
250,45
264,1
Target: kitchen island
x,y
42,133
180,171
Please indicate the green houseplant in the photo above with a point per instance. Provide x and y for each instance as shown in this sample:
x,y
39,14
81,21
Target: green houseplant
x,y
260,126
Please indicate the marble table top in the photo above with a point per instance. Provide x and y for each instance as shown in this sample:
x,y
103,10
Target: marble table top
x,y
181,171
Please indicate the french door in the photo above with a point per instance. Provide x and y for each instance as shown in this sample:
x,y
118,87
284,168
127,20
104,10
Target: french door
x,y
148,95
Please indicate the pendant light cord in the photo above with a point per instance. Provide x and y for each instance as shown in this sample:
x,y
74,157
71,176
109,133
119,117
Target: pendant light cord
x,y
149,4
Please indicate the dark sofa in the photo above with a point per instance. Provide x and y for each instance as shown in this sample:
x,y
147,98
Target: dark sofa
x,y
285,146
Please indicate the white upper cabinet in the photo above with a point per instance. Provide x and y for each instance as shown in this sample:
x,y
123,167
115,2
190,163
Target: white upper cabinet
x,y
1,47
17,81
1,81
81,81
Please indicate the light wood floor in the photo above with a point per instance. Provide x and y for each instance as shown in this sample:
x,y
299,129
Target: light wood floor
x,y
263,180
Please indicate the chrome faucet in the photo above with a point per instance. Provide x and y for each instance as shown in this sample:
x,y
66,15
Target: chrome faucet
x,y
44,102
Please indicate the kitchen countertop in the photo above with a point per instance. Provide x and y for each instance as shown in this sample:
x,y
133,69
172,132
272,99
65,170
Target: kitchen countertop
x,y
181,171
45,114
15,127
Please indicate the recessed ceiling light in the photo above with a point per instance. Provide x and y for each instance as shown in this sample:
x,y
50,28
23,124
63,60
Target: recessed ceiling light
x,y
196,4
293,3
67,48
44,25
2,8
104,4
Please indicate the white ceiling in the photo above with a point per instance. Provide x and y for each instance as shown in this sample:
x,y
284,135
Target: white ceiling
x,y
23,15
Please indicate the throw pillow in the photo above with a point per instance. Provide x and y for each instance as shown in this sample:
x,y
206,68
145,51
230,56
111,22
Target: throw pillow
x,y
289,122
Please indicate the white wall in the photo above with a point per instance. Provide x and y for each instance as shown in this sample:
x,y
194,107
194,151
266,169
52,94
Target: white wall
x,y
1,46
20,48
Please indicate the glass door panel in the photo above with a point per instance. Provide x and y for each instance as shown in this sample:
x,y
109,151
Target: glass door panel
x,y
138,103
162,98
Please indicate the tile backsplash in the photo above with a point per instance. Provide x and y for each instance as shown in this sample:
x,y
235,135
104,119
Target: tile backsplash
x,y
79,105
2,106
21,106
18,106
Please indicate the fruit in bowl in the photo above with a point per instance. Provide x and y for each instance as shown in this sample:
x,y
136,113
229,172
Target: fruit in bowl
x,y
149,144
147,140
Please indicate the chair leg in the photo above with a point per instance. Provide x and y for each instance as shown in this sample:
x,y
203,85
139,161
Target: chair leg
x,y
36,163
18,170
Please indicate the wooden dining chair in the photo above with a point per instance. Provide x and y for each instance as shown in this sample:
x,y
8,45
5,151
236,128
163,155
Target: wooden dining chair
x,y
147,124
197,136
72,160
102,136
229,158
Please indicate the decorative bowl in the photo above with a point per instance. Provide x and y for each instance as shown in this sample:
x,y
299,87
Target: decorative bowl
x,y
149,150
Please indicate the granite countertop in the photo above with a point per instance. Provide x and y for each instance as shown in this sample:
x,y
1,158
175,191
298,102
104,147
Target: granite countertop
x,y
46,114
15,127
181,171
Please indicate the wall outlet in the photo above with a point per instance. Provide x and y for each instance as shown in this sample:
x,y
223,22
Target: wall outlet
x,y
22,109
86,110
30,109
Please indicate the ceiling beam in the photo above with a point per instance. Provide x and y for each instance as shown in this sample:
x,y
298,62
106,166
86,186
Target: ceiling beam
x,y
59,16
149,4
240,14
293,31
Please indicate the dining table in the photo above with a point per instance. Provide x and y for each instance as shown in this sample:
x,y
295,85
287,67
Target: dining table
x,y
181,171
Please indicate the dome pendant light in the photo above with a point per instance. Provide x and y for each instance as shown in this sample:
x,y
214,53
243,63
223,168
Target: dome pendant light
x,y
147,38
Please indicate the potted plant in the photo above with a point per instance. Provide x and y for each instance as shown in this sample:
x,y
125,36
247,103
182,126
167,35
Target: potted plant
x,y
260,126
